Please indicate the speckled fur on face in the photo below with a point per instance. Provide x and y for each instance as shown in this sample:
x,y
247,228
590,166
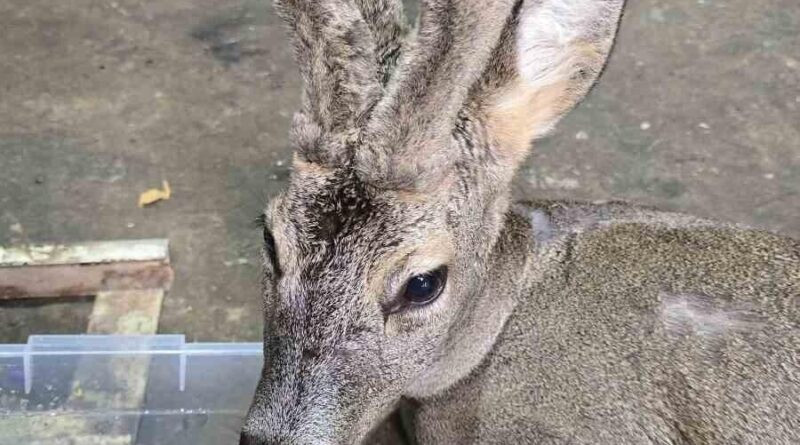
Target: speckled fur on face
x,y
560,322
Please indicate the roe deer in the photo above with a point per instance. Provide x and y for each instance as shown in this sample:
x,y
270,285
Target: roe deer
x,y
396,267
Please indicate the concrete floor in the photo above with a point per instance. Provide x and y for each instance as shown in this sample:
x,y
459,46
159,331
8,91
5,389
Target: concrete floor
x,y
698,111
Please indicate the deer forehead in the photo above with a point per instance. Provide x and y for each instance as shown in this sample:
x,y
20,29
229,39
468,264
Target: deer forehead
x,y
329,219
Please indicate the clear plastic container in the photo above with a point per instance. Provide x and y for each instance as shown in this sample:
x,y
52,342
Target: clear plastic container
x,y
144,390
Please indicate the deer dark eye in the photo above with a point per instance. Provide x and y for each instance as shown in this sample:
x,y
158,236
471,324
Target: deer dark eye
x,y
423,289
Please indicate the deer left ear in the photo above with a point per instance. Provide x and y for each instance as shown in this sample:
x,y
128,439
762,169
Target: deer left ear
x,y
550,54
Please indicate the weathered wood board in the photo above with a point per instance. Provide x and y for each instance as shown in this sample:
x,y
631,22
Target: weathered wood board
x,y
38,271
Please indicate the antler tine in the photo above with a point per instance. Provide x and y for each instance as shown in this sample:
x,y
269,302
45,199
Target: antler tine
x,y
339,47
328,36
386,21
454,42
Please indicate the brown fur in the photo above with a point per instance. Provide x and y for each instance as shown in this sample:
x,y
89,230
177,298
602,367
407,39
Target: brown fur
x,y
518,115
559,322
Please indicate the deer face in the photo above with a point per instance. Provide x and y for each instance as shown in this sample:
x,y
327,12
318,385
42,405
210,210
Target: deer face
x,y
362,289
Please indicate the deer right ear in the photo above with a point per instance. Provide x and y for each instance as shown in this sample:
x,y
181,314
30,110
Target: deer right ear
x,y
550,54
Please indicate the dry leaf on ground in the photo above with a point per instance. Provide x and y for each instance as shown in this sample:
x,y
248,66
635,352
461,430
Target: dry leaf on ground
x,y
152,196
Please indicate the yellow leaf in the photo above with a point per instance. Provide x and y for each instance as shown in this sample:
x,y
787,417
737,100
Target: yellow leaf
x,y
152,196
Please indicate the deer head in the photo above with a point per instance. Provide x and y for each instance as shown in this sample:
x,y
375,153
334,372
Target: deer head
x,y
379,253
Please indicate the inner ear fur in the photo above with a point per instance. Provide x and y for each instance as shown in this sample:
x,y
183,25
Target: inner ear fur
x,y
549,56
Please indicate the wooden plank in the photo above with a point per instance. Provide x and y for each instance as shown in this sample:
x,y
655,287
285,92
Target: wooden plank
x,y
129,312
121,313
83,280
94,252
